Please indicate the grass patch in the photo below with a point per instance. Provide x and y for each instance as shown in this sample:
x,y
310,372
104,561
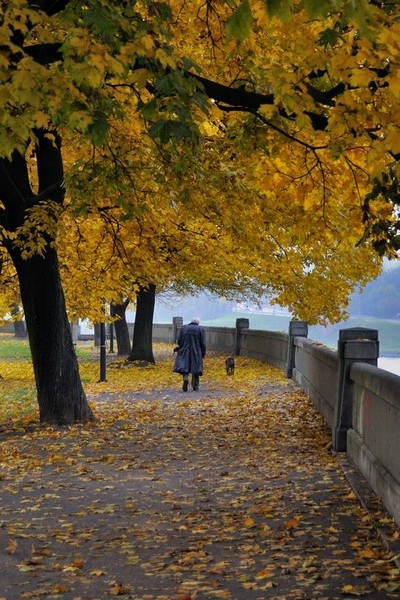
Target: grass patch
x,y
18,399
12,348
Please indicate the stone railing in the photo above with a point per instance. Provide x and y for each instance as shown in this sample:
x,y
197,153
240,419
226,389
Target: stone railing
x,y
316,372
359,402
373,440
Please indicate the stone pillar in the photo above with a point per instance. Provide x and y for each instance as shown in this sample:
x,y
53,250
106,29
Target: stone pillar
x,y
75,331
20,329
177,323
356,344
19,324
296,329
240,325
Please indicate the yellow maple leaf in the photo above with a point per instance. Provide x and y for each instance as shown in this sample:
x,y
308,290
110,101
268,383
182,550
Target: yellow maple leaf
x,y
60,588
291,523
367,553
12,547
264,574
394,84
249,522
353,590
119,590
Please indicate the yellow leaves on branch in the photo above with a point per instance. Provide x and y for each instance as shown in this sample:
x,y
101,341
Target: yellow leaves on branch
x,y
39,229
96,61
287,195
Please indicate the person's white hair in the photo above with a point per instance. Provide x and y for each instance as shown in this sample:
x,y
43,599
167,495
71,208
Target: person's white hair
x,y
195,320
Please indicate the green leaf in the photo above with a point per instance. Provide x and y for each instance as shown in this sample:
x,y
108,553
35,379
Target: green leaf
x,y
238,25
329,37
168,130
279,8
359,12
316,8
165,86
161,130
98,130
161,9
148,109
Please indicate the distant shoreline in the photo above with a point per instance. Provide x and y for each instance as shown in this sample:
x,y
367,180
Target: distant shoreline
x,y
388,329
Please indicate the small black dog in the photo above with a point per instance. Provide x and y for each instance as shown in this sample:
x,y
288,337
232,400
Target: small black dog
x,y
230,365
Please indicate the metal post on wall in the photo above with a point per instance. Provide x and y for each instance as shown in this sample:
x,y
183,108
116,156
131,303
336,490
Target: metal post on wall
x,y
355,344
111,333
102,352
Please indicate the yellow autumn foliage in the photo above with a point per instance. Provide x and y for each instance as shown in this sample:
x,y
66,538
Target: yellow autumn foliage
x,y
166,187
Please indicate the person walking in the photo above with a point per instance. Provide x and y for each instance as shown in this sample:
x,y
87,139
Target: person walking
x,y
191,350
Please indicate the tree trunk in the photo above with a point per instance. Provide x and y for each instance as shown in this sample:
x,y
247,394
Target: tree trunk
x,y
60,394
121,327
61,398
142,345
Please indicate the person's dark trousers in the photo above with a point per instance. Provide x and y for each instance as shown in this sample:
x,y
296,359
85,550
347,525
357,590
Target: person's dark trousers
x,y
185,382
195,382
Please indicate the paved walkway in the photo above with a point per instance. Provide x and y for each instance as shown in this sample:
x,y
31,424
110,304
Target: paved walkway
x,y
231,494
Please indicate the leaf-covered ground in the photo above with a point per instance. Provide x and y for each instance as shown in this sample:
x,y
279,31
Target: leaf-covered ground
x,y
231,492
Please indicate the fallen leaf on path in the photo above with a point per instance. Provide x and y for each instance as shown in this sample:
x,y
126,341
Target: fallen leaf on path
x,y
12,547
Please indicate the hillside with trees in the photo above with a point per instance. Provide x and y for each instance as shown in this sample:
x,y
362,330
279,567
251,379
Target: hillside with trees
x,y
380,297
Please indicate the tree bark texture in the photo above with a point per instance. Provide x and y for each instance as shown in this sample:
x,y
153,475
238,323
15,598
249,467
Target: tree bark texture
x,y
142,344
60,393
61,397
121,327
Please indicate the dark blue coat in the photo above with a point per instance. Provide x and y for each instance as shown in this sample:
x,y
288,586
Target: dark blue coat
x,y
192,350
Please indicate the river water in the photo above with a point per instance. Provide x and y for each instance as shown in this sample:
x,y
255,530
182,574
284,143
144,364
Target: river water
x,y
389,364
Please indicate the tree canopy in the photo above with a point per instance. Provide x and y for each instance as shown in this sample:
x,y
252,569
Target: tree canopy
x,y
297,96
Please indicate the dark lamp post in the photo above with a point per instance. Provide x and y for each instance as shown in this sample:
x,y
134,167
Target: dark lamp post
x,y
102,352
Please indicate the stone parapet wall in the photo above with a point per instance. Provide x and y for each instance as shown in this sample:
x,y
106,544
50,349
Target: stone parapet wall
x,y
268,346
162,333
7,328
316,372
222,339
373,441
